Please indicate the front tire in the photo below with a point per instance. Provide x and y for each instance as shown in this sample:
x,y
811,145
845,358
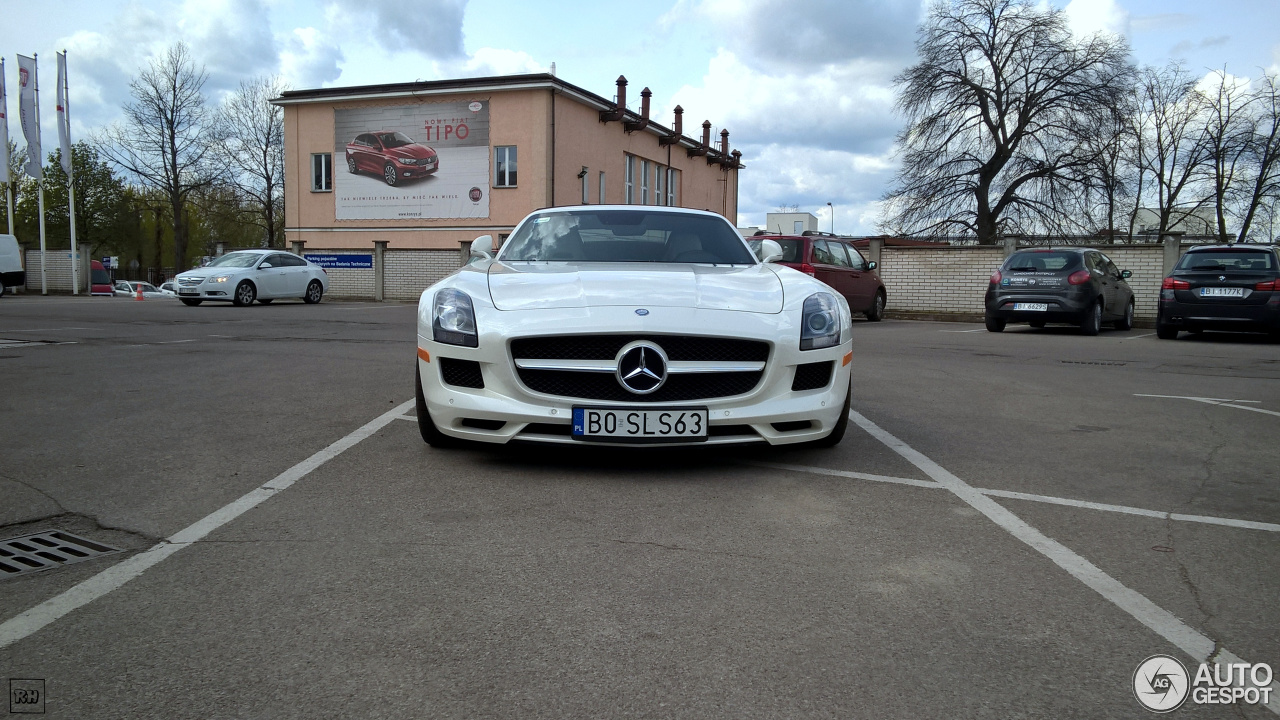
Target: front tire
x,y
351,165
246,293
1092,322
1165,331
837,433
876,313
389,174
189,302
1126,322
995,324
431,435
314,293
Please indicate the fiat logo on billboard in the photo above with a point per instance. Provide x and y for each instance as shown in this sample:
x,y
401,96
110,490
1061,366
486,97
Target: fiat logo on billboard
x,y
475,194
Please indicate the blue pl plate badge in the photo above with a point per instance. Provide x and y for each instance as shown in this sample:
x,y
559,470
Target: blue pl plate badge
x,y
579,421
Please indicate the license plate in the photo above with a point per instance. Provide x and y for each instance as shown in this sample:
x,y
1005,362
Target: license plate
x,y
1034,307
188,291
1221,292
633,425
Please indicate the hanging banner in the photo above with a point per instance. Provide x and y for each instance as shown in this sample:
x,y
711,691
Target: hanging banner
x,y
29,114
4,129
64,120
402,162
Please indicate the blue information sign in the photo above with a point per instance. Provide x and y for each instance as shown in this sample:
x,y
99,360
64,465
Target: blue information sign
x,y
341,261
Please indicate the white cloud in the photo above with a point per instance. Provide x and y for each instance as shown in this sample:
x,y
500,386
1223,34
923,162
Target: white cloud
x,y
1087,17
810,178
430,27
309,59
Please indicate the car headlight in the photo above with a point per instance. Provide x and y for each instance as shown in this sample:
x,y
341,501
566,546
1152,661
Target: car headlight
x,y
820,322
219,279
453,319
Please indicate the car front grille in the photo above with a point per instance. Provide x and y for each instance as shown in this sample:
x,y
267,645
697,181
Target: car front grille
x,y
604,385
190,282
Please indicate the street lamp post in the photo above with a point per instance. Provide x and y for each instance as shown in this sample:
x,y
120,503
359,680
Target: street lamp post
x,y
833,218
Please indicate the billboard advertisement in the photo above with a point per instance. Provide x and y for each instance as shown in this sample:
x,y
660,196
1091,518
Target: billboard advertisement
x,y
428,160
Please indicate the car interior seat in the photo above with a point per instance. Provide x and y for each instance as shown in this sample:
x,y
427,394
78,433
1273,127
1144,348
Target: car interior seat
x,y
567,246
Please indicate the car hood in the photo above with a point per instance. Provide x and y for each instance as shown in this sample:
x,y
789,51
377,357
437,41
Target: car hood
x,y
411,151
539,286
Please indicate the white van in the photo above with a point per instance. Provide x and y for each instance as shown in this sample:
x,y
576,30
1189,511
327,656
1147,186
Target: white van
x,y
11,273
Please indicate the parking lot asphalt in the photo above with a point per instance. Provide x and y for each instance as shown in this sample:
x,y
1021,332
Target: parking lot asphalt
x,y
899,574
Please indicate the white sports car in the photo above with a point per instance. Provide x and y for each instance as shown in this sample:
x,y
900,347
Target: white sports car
x,y
617,324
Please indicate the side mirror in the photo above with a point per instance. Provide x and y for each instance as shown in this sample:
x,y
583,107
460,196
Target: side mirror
x,y
872,264
1126,274
265,265
770,251
482,247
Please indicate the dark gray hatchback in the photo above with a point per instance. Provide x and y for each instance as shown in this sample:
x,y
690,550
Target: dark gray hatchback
x,y
1079,286
1222,287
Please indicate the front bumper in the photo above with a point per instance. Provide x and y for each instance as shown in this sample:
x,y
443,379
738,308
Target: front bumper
x,y
537,417
207,291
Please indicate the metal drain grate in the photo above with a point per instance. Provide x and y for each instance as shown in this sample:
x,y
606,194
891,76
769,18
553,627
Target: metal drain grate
x,y
44,550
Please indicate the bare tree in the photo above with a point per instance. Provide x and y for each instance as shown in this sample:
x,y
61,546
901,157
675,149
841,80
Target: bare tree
x,y
1173,149
166,140
1109,180
1263,154
995,109
251,134
1228,136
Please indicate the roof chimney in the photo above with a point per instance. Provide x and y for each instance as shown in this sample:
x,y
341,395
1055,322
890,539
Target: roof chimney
x,y
676,129
705,145
643,122
620,109
724,143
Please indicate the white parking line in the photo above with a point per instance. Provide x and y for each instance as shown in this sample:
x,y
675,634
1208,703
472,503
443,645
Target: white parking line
x,y
85,592
1218,402
1156,618
49,329
1133,337
1084,504
963,331
172,342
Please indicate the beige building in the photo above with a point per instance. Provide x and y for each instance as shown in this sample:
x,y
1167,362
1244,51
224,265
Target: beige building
x,y
428,166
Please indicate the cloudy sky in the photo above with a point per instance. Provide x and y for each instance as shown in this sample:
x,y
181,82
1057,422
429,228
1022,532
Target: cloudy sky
x,y
804,86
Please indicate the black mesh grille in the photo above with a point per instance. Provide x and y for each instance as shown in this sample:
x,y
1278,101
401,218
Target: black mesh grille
x,y
462,373
604,386
812,376
606,347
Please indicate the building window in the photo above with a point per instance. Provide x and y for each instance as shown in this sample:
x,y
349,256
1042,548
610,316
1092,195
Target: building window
x,y
504,166
586,188
659,185
673,185
321,172
644,182
797,227
600,197
631,180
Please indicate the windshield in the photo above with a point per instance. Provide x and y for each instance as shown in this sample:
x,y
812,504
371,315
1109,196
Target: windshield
x,y
235,260
1042,260
394,140
1228,261
101,277
790,248
627,236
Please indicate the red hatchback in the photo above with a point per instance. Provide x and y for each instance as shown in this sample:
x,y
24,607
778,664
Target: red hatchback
x,y
835,261
393,155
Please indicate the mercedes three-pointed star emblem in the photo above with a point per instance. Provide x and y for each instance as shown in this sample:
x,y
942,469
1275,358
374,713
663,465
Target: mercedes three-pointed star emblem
x,y
642,367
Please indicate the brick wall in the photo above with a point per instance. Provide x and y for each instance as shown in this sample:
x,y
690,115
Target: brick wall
x,y
941,279
409,272
954,279
349,283
57,264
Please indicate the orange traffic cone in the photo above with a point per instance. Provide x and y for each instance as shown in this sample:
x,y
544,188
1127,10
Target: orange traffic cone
x,y
139,295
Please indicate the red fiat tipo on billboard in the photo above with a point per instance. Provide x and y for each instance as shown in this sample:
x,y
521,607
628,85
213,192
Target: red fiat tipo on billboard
x,y
393,155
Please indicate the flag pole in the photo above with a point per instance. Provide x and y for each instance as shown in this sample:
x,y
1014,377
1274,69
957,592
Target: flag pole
x,y
44,274
71,186
8,186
